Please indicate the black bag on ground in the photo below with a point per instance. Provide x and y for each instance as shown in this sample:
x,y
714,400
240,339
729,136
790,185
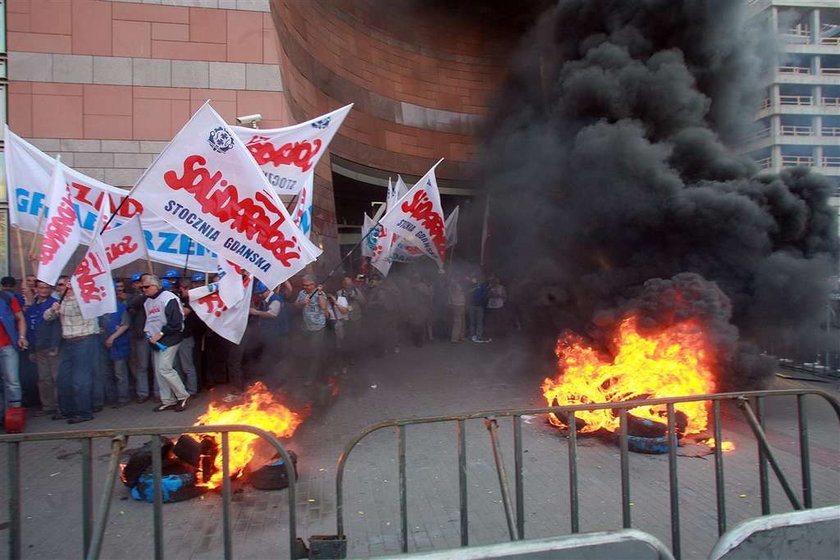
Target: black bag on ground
x,y
140,460
272,476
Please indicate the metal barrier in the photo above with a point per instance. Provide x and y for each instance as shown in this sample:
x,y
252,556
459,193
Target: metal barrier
x,y
516,519
93,533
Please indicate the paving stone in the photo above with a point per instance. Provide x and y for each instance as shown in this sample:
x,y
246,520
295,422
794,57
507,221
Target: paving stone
x,y
416,382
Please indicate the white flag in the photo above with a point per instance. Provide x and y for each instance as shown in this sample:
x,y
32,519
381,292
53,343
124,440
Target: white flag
x,y
227,322
91,281
404,251
395,192
207,185
230,283
368,241
288,155
381,259
61,232
418,216
450,226
125,244
302,213
28,171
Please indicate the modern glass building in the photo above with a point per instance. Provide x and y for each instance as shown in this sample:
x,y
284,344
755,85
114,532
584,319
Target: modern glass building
x,y
799,120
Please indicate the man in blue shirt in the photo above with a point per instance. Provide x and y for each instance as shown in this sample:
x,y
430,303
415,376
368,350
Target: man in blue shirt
x,y
44,338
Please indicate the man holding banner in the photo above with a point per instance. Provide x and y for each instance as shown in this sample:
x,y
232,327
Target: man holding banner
x,y
77,362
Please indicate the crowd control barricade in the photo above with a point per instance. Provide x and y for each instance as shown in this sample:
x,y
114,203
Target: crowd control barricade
x,y
93,531
751,404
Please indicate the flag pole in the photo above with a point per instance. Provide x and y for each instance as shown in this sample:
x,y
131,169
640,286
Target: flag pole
x,y
20,253
350,252
35,234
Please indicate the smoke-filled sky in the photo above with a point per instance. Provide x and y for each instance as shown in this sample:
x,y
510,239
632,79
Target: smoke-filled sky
x,y
607,159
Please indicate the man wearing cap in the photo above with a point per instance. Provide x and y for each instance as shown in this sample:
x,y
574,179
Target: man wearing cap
x,y
197,280
140,350
172,275
164,326
268,312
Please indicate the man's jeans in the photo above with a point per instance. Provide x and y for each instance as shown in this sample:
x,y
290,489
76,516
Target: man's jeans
x,y
47,362
75,376
476,321
9,363
140,358
185,357
169,382
116,384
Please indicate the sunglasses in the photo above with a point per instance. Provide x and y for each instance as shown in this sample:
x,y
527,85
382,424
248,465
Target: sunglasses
x,y
145,287
61,284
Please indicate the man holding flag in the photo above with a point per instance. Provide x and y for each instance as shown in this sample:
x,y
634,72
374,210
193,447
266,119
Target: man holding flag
x,y
77,362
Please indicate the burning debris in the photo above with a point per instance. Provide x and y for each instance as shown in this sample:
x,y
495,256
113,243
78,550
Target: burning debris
x,y
193,465
608,153
258,408
671,341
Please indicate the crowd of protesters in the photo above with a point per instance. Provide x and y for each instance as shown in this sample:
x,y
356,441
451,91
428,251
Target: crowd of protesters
x,y
155,347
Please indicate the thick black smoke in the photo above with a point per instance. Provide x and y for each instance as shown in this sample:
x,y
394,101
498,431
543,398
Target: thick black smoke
x,y
607,159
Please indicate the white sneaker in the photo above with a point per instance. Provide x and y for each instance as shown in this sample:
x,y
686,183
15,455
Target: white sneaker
x,y
475,339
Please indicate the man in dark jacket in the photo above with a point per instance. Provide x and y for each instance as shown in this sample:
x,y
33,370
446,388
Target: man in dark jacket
x,y
140,349
164,329
44,338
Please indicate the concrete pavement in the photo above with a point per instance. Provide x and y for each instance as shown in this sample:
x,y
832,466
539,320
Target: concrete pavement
x,y
439,379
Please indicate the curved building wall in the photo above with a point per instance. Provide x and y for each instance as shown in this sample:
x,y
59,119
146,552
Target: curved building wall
x,y
421,80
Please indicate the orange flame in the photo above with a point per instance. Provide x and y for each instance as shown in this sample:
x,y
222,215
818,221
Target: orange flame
x,y
672,363
724,446
258,408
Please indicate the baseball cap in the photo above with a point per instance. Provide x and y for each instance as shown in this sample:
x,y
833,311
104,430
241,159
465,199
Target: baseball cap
x,y
167,285
259,287
136,276
197,277
171,273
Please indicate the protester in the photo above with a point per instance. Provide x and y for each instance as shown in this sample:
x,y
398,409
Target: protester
x,y
29,289
312,353
497,315
9,286
172,276
338,312
457,303
197,280
76,366
141,355
118,344
186,351
478,293
44,338
353,292
164,323
12,339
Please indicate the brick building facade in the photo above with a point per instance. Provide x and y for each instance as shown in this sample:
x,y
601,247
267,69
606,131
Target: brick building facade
x,y
106,84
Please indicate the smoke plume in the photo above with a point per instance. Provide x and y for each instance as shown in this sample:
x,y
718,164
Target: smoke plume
x,y
609,166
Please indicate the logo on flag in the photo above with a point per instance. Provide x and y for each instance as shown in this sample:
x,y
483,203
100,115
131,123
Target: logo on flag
x,y
222,200
288,155
220,140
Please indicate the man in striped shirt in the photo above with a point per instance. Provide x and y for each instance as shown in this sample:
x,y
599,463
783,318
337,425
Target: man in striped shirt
x,y
77,357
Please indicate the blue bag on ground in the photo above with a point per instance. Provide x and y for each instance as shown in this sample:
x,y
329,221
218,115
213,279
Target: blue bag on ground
x,y
177,483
